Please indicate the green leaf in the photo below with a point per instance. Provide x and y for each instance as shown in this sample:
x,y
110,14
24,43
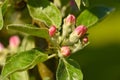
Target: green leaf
x,y
44,11
78,2
31,30
68,70
4,79
61,3
23,61
4,6
1,19
23,75
92,16
86,18
27,43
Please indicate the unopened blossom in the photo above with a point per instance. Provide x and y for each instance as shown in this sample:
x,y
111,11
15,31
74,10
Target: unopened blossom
x,y
80,30
65,51
68,25
52,31
1,46
72,2
14,41
77,33
70,19
85,39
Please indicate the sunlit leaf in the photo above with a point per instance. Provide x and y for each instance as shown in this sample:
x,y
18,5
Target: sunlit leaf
x,y
44,11
4,6
23,61
23,75
61,3
68,70
1,19
92,16
27,43
86,18
30,29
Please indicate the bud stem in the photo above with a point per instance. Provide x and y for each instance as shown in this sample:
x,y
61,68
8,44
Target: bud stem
x,y
51,56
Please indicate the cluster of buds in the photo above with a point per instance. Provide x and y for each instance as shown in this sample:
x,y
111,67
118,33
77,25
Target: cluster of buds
x,y
74,38
71,38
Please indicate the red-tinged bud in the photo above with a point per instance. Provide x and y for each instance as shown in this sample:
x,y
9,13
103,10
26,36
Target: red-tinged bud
x,y
85,40
1,46
72,2
14,41
52,31
81,30
70,19
65,51
77,33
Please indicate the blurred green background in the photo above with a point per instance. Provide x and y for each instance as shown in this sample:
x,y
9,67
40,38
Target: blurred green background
x,y
100,60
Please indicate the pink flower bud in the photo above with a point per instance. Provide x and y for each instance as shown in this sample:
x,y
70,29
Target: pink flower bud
x,y
70,19
1,46
65,51
81,30
72,2
52,31
77,34
14,41
85,40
